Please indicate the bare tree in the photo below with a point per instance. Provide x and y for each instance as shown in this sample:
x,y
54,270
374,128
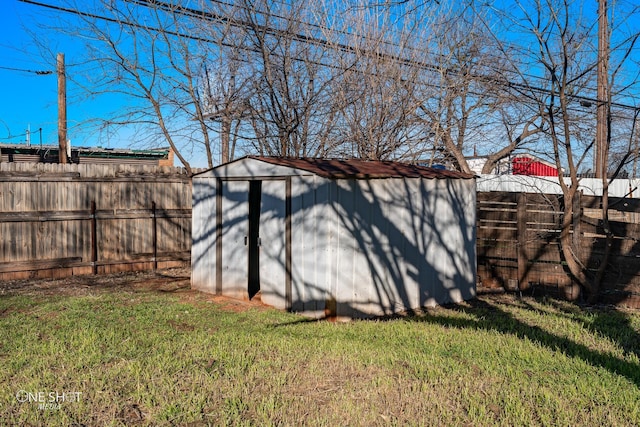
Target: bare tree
x,y
225,87
248,66
310,78
300,79
290,108
376,93
142,51
462,93
558,83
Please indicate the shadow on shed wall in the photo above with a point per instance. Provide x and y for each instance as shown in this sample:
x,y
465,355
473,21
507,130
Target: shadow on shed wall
x,y
402,243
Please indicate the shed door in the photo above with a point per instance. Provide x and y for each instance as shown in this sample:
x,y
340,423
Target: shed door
x,y
235,230
272,244
253,240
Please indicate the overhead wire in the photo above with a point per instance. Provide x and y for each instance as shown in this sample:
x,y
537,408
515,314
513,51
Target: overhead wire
x,y
350,49
22,70
213,17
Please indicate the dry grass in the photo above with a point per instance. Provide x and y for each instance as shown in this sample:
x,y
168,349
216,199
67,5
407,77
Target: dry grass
x,y
144,349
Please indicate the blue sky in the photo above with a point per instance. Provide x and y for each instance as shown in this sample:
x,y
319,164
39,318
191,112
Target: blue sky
x,y
29,100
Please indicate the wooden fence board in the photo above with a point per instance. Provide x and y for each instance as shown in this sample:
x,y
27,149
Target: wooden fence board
x,y
496,232
46,216
142,220
496,214
530,242
497,197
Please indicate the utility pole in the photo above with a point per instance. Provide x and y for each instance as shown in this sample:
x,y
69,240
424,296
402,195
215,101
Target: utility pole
x,y
225,137
62,110
224,111
225,120
602,112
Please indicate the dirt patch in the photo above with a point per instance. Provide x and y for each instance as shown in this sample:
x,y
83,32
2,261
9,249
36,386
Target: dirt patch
x,y
172,281
236,305
163,281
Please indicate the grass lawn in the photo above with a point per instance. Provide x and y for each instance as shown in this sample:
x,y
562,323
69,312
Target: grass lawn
x,y
145,350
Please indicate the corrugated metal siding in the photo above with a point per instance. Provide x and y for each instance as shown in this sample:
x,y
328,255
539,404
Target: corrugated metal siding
x,y
529,166
369,249
550,185
35,158
20,158
359,247
117,161
203,255
21,153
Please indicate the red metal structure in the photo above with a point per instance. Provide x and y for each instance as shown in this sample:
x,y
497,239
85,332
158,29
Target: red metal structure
x,y
528,165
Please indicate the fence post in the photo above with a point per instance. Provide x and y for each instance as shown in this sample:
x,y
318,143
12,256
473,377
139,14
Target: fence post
x,y
94,238
577,214
521,219
155,235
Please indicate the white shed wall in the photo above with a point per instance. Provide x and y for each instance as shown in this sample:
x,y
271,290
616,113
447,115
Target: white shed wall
x,y
358,247
312,245
363,247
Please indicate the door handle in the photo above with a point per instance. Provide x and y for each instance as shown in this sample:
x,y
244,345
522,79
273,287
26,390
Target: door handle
x,y
246,241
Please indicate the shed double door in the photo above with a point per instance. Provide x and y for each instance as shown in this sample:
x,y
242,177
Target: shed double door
x,y
253,240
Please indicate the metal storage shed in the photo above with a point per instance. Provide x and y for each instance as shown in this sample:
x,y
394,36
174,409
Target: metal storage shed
x,y
348,238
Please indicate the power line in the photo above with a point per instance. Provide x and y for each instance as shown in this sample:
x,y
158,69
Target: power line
x,y
213,17
112,20
200,14
22,70
16,136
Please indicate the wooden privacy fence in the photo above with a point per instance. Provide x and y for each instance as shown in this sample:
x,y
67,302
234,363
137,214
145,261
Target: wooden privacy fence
x,y
518,244
62,220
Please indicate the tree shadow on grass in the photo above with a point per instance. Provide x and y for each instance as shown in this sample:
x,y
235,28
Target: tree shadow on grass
x,y
488,315
491,315
609,322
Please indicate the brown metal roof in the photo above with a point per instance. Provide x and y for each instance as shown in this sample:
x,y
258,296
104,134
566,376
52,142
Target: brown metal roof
x,y
362,169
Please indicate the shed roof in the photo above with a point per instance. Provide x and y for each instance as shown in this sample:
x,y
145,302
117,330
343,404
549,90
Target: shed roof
x,y
362,169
